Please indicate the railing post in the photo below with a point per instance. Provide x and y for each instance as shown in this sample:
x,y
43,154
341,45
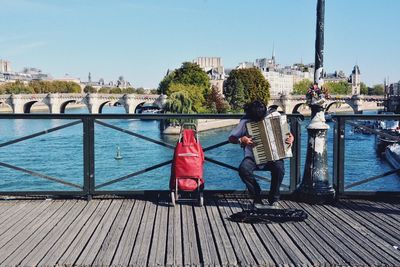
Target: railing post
x,y
88,155
338,156
295,161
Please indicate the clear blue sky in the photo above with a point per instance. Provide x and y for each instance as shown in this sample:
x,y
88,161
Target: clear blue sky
x,y
142,39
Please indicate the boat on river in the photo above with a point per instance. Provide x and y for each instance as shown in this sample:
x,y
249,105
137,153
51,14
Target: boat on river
x,y
392,155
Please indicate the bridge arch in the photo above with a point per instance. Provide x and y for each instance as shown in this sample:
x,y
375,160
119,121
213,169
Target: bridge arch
x,y
6,106
28,106
297,106
111,103
277,107
341,102
64,105
139,106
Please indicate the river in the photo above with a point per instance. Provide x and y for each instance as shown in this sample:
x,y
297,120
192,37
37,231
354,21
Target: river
x,y
60,154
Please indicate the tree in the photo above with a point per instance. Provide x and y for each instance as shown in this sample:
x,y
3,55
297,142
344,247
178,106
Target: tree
x,y
216,102
153,91
363,89
140,91
89,89
17,87
188,74
246,85
194,93
377,89
301,87
340,88
179,102
128,90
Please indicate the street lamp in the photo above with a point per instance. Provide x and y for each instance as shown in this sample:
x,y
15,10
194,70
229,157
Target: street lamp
x,y
315,186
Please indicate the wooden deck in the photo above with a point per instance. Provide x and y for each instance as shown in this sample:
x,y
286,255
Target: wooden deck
x,y
122,232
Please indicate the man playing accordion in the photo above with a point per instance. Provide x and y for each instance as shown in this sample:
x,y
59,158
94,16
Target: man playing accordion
x,y
257,111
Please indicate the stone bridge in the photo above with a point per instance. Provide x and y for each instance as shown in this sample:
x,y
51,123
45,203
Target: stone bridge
x,y
294,103
94,102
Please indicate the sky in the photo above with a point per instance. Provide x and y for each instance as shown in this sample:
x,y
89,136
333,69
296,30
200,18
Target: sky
x,y
141,40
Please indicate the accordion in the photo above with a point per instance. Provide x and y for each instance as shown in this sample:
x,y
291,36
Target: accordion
x,y
269,137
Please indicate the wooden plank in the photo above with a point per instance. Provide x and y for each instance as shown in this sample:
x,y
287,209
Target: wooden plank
x,y
34,257
267,237
158,246
364,219
223,243
239,242
174,238
311,241
141,249
129,236
336,244
373,244
15,225
6,205
23,234
82,239
67,237
290,249
38,235
16,215
261,253
110,244
190,249
348,236
385,216
208,248
88,254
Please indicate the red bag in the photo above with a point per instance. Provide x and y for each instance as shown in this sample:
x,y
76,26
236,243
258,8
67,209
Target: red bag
x,y
187,165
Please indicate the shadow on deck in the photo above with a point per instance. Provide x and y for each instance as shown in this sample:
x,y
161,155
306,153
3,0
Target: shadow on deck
x,y
135,232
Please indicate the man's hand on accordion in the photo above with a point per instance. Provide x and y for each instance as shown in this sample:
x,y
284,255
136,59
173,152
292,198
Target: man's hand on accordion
x,y
246,141
290,139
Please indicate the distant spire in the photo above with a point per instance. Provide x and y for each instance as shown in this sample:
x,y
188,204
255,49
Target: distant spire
x,y
273,51
90,78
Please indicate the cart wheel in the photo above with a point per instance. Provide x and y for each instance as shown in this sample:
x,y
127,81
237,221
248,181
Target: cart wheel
x,y
173,198
201,200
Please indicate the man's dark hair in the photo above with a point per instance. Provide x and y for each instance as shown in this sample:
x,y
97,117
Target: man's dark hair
x,y
255,110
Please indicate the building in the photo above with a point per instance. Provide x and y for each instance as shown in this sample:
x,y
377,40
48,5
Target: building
x,y
215,70
355,79
281,79
25,76
5,66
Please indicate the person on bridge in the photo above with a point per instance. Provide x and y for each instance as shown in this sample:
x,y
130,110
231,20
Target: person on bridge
x,y
256,111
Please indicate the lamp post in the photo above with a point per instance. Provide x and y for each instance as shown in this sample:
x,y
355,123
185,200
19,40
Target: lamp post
x,y
315,186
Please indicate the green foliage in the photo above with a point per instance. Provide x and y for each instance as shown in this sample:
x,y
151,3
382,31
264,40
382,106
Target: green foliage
x,y
16,88
115,90
89,89
377,89
193,92
44,87
129,90
340,88
216,102
301,87
140,91
246,85
363,89
188,74
153,91
179,102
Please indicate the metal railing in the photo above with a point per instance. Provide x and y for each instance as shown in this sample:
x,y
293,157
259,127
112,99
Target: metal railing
x,y
89,187
344,125
88,122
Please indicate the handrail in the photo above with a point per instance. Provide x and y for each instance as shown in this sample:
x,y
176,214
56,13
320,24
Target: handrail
x,y
89,120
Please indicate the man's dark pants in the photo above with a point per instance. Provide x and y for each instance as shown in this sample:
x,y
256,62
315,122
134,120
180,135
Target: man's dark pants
x,y
277,169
